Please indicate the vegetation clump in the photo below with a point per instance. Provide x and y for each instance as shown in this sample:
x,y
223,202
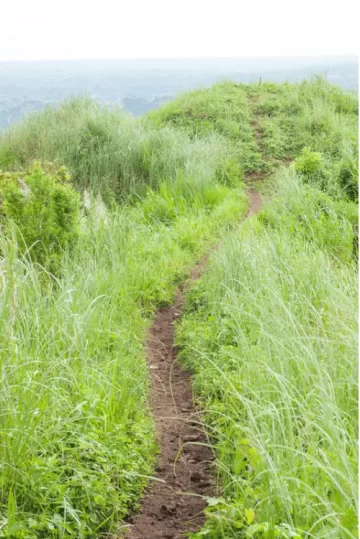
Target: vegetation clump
x,y
44,208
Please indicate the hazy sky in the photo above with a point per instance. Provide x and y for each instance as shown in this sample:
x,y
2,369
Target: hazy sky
x,y
69,29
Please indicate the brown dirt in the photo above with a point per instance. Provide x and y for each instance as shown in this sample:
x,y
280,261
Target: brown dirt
x,y
254,177
258,132
174,504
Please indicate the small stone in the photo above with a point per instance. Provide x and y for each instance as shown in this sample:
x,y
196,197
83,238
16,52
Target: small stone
x,y
193,438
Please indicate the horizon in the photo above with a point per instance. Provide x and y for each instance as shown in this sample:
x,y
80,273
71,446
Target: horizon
x,y
140,85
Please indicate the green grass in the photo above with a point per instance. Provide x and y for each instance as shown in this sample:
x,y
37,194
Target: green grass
x,y
107,151
269,331
77,439
267,124
223,109
313,115
271,334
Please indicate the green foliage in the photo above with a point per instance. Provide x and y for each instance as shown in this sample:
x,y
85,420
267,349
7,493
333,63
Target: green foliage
x,y
309,162
302,121
270,331
77,438
269,106
223,109
161,206
271,335
312,214
230,173
107,151
45,209
348,172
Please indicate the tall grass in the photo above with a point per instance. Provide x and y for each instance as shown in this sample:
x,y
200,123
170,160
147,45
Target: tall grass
x,y
267,124
222,109
315,115
108,151
271,332
77,443
77,439
74,383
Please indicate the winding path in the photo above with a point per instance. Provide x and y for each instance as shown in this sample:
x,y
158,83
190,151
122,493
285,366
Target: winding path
x,y
174,504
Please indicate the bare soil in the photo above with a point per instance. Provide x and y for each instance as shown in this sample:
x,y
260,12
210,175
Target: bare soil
x,y
173,505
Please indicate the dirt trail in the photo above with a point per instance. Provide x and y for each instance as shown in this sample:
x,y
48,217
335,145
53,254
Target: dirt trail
x,y
174,504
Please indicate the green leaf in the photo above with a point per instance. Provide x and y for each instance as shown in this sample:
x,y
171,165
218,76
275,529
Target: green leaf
x,y
250,515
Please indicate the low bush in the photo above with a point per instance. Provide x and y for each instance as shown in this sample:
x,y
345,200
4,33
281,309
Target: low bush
x,y
309,162
44,208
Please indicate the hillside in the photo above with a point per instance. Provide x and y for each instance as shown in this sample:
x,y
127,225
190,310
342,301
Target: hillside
x,y
103,219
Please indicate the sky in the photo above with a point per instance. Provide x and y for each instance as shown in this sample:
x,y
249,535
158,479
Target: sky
x,y
89,29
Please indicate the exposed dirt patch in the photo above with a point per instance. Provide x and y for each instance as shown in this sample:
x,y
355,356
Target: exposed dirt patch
x,y
255,204
174,504
254,177
258,132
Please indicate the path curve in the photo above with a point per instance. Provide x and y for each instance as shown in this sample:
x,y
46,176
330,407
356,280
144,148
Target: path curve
x,y
173,505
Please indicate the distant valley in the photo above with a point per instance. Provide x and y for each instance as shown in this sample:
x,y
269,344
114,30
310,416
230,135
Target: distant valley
x,y
141,85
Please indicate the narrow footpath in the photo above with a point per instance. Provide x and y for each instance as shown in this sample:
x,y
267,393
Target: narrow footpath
x,y
173,505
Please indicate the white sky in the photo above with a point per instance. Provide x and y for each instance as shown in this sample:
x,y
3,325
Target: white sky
x,y
70,29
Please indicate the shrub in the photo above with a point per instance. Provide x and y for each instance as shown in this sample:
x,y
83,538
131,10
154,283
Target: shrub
x,y
309,162
161,207
229,172
44,208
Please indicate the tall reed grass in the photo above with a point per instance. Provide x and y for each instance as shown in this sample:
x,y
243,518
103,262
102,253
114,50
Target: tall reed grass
x,y
271,332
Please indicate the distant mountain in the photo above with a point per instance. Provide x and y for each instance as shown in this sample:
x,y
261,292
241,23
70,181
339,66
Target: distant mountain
x,y
142,85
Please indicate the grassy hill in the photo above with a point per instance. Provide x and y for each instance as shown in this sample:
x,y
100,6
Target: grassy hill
x,y
269,331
